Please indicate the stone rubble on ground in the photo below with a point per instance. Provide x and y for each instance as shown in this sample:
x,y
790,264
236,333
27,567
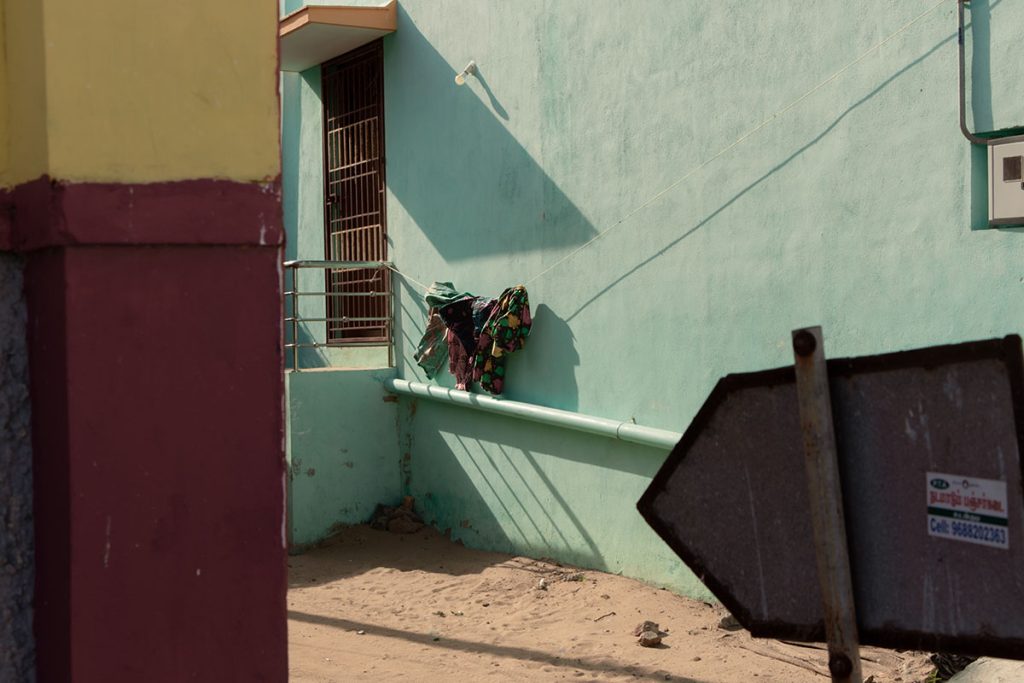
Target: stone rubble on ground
x,y
397,520
729,623
648,634
649,639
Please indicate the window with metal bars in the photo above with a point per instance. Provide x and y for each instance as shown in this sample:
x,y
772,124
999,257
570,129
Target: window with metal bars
x,y
358,300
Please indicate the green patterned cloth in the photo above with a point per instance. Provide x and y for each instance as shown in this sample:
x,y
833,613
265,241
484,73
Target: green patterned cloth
x,y
432,351
503,333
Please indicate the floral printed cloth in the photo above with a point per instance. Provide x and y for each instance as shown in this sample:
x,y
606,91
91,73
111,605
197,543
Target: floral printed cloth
x,y
504,332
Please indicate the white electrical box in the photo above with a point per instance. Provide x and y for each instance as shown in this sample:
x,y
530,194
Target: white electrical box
x,y
1006,183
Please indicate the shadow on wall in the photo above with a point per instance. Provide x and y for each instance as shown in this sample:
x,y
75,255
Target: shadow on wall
x,y
505,503
547,378
309,356
302,164
556,493
464,179
543,373
980,94
978,20
291,200
291,111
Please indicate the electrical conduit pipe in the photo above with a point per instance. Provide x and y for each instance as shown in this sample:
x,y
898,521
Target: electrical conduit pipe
x,y
613,429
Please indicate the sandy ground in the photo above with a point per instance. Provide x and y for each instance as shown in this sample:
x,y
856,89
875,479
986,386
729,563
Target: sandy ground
x,y
371,605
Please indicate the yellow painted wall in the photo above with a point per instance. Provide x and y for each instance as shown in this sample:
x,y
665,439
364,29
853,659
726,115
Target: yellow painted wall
x,y
141,90
25,141
4,155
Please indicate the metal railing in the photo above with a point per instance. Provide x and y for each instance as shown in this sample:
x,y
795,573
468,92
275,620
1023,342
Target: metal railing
x,y
323,311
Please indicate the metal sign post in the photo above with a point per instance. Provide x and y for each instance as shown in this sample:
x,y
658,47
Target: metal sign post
x,y
826,503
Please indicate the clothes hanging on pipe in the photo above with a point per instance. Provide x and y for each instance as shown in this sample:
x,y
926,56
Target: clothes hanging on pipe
x,y
460,363
479,333
441,294
432,351
504,332
458,317
482,309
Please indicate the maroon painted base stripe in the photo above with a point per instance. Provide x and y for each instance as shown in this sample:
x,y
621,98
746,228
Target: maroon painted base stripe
x,y
46,213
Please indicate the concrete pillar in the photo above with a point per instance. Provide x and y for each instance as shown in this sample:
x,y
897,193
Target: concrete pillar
x,y
141,186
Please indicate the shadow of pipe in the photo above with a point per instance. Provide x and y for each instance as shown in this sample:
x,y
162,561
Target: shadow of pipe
x,y
510,515
504,498
594,552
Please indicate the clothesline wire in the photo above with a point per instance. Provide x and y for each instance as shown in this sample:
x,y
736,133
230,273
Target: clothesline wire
x,y
406,277
724,150
739,140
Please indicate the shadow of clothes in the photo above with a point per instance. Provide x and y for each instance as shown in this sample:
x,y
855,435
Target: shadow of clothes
x,y
544,372
442,139
595,665
753,184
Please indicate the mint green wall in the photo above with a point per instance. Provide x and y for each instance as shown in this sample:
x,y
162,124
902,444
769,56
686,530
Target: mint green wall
x,y
342,450
520,488
853,210
861,209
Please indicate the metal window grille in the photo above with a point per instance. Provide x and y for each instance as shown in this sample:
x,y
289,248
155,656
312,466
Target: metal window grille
x,y
354,217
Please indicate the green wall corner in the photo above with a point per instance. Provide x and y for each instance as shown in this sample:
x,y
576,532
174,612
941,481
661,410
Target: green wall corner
x,y
342,450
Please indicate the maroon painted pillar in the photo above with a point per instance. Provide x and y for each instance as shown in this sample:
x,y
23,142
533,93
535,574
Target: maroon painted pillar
x,y
157,404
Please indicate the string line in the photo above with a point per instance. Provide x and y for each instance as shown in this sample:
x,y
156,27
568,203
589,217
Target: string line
x,y
407,278
739,140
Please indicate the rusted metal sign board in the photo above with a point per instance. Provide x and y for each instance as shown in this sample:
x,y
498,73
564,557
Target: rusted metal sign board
x,y
930,467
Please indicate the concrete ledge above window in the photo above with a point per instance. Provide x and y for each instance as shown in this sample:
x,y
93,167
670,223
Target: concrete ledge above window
x,y
315,34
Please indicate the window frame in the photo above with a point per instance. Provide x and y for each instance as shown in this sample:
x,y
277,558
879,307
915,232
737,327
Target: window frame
x,y
377,302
